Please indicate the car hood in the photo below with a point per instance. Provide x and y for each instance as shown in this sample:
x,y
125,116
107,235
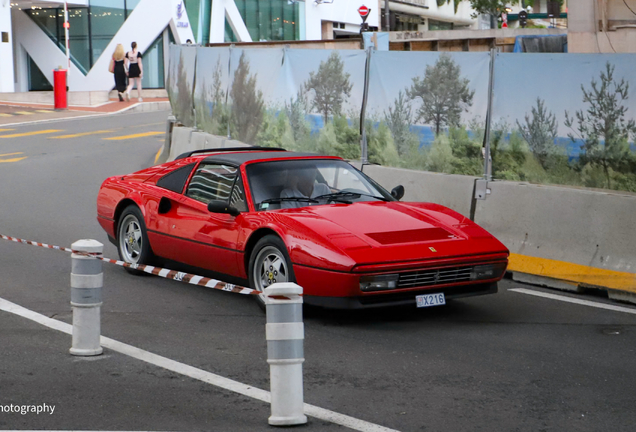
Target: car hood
x,y
392,232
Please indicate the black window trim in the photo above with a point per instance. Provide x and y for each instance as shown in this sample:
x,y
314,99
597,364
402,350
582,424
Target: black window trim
x,y
213,162
239,176
192,167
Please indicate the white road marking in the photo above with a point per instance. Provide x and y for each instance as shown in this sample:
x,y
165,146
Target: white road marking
x,y
575,301
192,372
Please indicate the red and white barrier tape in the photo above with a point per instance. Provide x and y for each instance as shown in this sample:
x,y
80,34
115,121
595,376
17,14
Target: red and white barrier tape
x,y
191,279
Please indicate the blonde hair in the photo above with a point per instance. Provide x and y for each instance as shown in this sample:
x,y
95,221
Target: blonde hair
x,y
119,53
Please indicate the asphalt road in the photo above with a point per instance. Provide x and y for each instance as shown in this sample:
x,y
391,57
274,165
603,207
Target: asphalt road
x,y
505,362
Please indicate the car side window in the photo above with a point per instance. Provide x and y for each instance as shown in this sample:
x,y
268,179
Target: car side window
x,y
176,180
237,199
212,182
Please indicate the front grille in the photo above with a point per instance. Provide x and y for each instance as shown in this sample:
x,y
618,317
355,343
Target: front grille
x,y
430,277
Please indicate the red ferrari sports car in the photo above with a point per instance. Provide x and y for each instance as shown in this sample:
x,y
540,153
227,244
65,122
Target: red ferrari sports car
x,y
266,215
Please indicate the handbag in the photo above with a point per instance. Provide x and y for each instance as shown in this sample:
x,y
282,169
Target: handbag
x,y
111,66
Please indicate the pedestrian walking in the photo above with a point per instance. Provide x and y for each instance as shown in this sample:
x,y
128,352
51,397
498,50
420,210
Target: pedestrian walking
x,y
135,71
117,67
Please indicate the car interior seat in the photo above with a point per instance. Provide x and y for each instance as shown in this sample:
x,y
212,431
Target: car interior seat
x,y
269,186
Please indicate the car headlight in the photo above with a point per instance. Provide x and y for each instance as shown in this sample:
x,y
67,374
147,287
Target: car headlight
x,y
487,271
378,282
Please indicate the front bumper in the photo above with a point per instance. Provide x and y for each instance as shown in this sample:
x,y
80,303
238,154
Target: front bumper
x,y
394,299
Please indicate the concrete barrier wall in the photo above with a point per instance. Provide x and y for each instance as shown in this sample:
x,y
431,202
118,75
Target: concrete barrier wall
x,y
452,191
560,237
584,227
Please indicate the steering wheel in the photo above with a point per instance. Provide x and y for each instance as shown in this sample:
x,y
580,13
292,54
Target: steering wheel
x,y
352,190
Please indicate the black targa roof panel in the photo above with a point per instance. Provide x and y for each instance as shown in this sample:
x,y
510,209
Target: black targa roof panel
x,y
240,158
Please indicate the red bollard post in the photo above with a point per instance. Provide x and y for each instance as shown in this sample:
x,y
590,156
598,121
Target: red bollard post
x,y
59,89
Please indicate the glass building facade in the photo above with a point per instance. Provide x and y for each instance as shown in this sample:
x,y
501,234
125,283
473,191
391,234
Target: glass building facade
x,y
268,20
91,30
199,13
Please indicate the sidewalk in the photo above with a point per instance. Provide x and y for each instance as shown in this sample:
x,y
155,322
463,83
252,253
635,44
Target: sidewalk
x,y
15,113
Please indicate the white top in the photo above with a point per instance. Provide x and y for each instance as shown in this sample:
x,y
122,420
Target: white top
x,y
319,189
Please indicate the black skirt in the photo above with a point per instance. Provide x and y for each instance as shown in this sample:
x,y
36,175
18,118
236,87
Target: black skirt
x,y
121,82
134,71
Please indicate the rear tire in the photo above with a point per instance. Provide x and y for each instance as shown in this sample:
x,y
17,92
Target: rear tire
x,y
132,240
269,263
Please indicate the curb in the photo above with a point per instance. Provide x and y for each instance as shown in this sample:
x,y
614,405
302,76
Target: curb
x,y
572,277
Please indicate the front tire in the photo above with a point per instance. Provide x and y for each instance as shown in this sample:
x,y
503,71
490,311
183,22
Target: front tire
x,y
132,240
269,264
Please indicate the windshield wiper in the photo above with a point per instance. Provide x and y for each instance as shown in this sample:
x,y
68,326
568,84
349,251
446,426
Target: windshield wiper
x,y
334,196
280,200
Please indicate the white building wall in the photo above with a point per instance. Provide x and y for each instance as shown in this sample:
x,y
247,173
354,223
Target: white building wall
x,y
445,13
6,49
144,25
342,11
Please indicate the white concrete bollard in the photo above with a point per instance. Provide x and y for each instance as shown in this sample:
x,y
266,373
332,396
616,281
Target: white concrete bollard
x,y
87,280
285,334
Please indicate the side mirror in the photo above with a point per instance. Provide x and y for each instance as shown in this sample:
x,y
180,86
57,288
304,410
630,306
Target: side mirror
x,y
397,192
222,207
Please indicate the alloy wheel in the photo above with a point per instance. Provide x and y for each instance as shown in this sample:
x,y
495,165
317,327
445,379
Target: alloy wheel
x,y
130,239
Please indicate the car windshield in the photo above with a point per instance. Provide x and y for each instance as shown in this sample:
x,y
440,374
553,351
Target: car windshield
x,y
310,182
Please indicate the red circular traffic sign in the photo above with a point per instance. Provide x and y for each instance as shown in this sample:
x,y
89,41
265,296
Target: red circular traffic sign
x,y
363,11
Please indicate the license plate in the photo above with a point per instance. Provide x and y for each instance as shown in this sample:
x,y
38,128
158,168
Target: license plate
x,y
427,300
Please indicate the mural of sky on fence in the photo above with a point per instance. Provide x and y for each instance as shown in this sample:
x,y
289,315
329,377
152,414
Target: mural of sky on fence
x,y
425,110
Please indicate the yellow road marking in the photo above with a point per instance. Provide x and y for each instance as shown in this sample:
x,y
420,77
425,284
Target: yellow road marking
x,y
573,272
81,134
139,135
149,124
6,130
13,159
158,154
6,115
45,111
24,112
31,133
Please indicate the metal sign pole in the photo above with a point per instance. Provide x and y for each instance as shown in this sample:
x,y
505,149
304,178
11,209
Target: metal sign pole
x,y
66,26
364,155
487,158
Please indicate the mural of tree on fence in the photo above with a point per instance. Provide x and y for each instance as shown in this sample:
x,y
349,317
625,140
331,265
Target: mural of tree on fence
x,y
247,103
540,131
604,131
443,93
331,87
425,120
181,83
